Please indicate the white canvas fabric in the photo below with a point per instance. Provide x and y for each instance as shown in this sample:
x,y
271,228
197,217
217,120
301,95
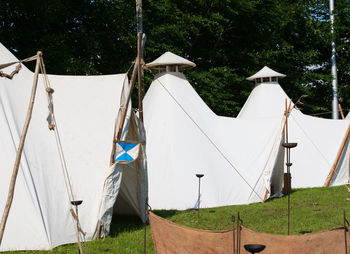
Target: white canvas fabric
x,y
348,116
319,140
266,72
85,109
240,158
169,58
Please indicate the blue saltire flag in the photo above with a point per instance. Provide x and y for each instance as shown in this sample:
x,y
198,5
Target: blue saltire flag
x,y
126,152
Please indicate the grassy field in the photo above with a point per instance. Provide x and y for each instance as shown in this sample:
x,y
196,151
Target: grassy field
x,y
312,210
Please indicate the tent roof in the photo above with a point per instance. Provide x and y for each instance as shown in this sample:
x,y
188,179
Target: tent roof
x,y
185,137
169,58
266,72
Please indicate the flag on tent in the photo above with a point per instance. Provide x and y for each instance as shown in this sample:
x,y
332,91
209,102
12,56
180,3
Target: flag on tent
x,y
126,152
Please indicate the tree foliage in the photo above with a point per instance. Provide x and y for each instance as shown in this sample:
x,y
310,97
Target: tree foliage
x,y
229,40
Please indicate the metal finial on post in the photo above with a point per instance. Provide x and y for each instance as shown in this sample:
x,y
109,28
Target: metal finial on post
x,y
199,190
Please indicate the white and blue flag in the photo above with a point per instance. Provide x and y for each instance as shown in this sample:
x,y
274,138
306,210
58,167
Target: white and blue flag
x,y
126,152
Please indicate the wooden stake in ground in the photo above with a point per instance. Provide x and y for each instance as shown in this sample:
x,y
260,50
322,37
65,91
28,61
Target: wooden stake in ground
x,y
20,149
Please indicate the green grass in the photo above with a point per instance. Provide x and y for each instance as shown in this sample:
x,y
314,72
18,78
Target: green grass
x,y
312,210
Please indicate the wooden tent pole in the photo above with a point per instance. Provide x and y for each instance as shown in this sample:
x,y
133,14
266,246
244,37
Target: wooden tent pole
x,y
289,110
331,174
139,74
20,149
138,68
140,45
125,109
341,111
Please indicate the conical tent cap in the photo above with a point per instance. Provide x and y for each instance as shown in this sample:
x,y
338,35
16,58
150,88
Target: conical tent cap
x,y
170,59
265,73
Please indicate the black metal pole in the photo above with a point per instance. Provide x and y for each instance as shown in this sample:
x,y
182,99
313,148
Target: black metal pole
x,y
289,187
233,233
76,211
345,230
289,181
144,237
233,236
199,195
199,190
288,146
237,234
288,171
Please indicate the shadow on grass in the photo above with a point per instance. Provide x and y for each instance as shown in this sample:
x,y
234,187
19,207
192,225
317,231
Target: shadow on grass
x,y
293,191
305,232
165,213
128,223
125,223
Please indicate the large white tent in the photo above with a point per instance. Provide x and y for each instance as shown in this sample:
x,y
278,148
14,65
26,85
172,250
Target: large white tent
x,y
85,108
323,144
240,158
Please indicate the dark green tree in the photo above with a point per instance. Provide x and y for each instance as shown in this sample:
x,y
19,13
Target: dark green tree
x,y
342,39
229,40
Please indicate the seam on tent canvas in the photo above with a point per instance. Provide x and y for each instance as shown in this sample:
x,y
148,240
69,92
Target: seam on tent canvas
x,y
212,142
310,140
35,190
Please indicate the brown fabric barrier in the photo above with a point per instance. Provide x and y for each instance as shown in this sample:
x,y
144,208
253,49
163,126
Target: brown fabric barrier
x,y
170,238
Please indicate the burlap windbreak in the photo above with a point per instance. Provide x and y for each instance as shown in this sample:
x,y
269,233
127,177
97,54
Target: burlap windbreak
x,y
170,238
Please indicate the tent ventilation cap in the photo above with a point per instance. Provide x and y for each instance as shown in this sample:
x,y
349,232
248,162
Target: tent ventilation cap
x,y
169,62
266,75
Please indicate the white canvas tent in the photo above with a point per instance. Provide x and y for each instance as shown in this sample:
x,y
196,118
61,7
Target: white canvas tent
x,y
86,108
240,158
320,141
347,116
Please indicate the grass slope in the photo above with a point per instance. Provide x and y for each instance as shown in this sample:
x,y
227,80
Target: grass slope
x,y
312,210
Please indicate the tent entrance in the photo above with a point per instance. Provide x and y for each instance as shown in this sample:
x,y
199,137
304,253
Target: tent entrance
x,y
130,193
